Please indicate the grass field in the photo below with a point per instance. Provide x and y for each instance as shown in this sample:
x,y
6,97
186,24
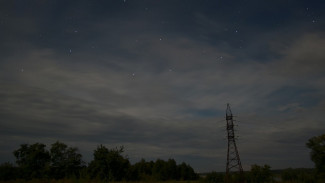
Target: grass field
x,y
89,181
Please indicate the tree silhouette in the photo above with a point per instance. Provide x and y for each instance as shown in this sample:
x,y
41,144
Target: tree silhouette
x,y
109,165
33,160
65,162
317,154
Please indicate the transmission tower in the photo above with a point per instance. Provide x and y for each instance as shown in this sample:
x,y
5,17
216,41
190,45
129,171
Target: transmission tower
x,y
233,160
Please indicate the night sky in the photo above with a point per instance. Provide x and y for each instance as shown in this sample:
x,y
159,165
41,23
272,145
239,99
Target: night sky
x,y
156,75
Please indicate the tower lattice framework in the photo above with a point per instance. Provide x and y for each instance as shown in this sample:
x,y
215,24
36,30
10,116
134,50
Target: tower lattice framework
x,y
233,159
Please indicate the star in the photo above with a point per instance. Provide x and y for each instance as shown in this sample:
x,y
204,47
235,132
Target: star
x,y
220,58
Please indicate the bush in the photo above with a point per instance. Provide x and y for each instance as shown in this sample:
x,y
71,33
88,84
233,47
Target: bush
x,y
7,172
214,177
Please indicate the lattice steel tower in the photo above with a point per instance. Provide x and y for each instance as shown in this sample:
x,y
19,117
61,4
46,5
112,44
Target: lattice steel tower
x,y
233,160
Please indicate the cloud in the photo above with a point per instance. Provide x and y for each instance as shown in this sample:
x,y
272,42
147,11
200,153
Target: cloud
x,y
93,104
304,57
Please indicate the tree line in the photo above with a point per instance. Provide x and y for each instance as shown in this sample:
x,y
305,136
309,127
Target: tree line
x,y
257,174
62,162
